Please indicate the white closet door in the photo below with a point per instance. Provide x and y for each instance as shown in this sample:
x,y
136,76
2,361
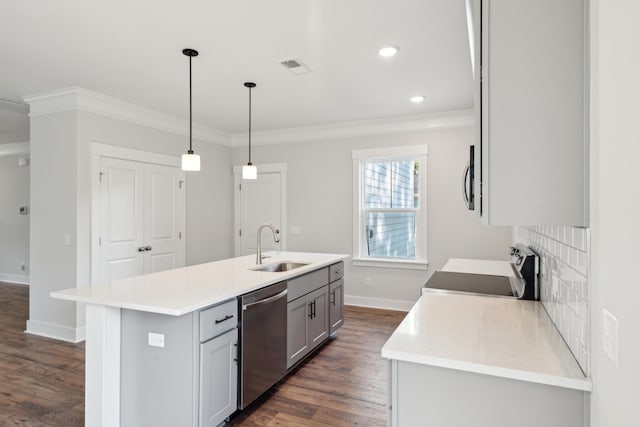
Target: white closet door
x,y
121,219
162,218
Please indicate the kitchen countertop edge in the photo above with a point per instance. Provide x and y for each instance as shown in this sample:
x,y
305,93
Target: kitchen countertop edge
x,y
495,371
84,294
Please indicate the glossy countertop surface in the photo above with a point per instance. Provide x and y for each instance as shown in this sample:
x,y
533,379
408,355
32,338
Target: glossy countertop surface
x,y
478,266
495,336
184,290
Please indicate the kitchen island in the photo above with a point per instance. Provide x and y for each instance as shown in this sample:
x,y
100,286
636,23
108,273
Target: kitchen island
x,y
484,361
173,298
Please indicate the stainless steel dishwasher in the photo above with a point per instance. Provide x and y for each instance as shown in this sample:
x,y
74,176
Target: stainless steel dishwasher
x,y
263,343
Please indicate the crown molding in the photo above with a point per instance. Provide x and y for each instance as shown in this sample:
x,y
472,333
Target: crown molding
x,y
76,98
14,148
16,107
385,126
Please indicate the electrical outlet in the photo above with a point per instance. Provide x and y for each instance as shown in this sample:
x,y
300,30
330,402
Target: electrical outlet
x,y
156,340
367,282
610,336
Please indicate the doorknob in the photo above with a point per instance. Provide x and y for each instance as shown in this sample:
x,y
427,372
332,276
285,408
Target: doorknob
x,y
141,249
148,248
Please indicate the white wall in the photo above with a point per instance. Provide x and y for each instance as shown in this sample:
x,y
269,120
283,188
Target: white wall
x,y
615,207
319,180
61,202
53,214
14,227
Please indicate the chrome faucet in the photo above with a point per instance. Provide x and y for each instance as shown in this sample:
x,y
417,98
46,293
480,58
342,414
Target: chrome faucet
x,y
259,245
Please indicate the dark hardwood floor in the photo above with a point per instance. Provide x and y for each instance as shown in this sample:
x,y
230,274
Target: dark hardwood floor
x,y
41,380
343,384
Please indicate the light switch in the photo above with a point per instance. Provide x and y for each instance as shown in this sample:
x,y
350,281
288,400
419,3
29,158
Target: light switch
x,y
156,340
610,336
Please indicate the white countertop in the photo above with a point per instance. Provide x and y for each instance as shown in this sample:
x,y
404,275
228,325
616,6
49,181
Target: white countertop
x,y
183,290
495,336
479,266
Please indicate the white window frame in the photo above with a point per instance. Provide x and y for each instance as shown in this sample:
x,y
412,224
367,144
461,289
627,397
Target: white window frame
x,y
390,154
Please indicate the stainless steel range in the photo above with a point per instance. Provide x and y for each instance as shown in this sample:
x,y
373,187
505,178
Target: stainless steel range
x,y
523,284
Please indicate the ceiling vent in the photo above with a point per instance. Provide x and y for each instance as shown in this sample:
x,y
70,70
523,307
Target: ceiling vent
x,y
295,66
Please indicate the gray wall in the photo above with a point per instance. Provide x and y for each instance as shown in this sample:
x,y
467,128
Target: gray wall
x,y
61,204
615,207
319,196
14,227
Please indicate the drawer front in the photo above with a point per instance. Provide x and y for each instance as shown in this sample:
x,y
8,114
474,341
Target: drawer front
x,y
218,319
302,285
336,271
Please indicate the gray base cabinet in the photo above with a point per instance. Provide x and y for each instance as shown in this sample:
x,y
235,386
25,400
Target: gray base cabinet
x,y
307,324
336,305
218,378
189,381
315,310
423,395
319,317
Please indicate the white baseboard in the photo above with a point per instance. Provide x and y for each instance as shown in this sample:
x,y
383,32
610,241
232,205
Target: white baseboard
x,y
383,303
58,332
20,279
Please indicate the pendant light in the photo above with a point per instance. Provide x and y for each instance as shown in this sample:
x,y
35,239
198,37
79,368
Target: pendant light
x,y
190,161
249,171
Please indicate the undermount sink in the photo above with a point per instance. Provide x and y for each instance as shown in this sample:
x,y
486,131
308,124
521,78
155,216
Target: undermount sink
x,y
280,267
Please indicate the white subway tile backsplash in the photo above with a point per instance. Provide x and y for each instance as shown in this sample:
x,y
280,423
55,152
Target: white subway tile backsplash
x,y
564,290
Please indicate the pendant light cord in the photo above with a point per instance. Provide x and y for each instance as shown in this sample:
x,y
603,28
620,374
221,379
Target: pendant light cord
x,y
190,109
249,125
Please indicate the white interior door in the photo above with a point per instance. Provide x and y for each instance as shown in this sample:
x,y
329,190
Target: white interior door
x,y
162,223
141,205
258,202
121,219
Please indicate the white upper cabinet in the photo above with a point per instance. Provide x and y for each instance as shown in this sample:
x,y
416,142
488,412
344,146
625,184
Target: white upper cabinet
x,y
531,101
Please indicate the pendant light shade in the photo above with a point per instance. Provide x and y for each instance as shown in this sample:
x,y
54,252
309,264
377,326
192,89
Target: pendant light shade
x,y
249,171
190,161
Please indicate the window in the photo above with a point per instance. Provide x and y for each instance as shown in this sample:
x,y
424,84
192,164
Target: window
x,y
390,213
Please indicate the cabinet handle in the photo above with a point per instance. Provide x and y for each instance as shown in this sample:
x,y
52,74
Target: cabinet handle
x,y
333,294
338,271
147,248
310,310
314,309
227,317
141,249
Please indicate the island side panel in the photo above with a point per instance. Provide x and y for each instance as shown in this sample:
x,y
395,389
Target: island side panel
x,y
435,396
158,384
102,366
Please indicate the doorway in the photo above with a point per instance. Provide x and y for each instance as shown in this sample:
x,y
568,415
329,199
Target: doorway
x,y
258,202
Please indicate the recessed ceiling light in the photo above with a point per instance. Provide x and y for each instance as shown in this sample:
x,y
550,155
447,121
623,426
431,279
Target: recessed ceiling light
x,y
417,99
388,51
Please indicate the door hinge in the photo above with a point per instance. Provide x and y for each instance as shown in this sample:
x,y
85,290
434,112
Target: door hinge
x,y
180,235
240,232
99,241
100,175
180,183
239,187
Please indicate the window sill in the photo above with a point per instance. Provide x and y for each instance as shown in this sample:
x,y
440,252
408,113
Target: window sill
x,y
385,263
